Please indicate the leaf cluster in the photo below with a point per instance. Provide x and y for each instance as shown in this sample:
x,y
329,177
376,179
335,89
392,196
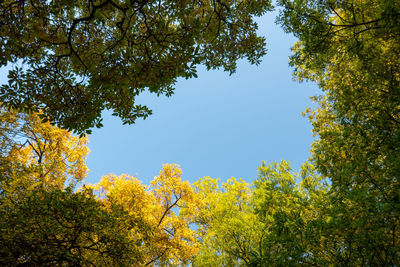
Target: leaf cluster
x,y
72,60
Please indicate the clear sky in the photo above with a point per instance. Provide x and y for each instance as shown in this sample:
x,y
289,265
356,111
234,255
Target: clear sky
x,y
215,125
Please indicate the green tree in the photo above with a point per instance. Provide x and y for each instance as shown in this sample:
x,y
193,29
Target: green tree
x,y
59,227
278,221
293,210
351,49
227,228
73,59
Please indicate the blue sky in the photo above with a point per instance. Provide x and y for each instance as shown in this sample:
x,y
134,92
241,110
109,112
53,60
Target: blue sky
x,y
216,125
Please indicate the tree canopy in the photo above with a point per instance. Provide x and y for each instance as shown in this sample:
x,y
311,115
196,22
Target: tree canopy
x,y
351,49
341,209
73,59
47,221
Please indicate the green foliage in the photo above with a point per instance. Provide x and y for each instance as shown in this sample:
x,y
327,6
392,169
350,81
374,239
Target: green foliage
x,y
276,222
226,226
351,49
63,228
341,209
289,205
290,219
73,59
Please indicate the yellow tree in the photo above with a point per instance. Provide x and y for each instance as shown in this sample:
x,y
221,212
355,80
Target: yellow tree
x,y
33,153
43,222
160,214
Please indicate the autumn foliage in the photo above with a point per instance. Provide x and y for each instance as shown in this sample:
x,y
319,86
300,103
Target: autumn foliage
x,y
283,217
73,59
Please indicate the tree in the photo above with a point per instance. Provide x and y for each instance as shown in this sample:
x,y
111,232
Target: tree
x,y
160,215
351,49
43,222
292,208
35,154
278,221
60,227
71,60
227,228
